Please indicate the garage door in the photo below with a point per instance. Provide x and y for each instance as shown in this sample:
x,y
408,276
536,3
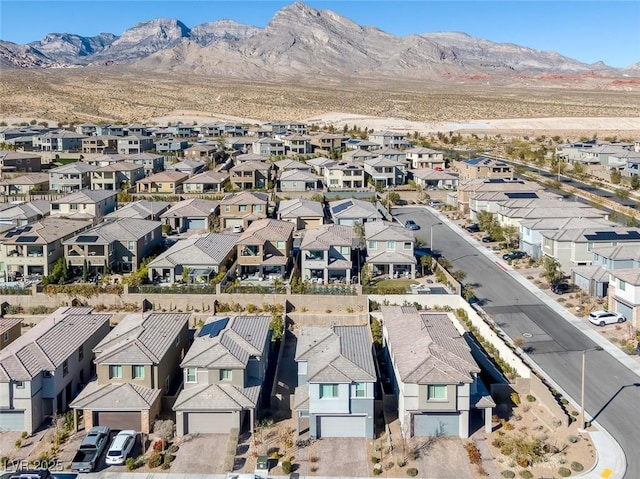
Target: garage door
x,y
118,420
12,421
210,422
340,426
230,222
624,310
436,425
345,222
194,223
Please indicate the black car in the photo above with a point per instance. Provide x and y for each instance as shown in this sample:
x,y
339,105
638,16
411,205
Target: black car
x,y
514,255
473,228
487,239
561,288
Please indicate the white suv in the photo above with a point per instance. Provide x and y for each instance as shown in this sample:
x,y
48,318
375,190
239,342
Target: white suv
x,y
600,318
120,447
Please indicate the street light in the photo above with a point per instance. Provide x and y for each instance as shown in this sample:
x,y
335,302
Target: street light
x,y
584,357
431,236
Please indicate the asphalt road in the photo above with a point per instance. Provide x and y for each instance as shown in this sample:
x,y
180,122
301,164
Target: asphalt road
x,y
612,392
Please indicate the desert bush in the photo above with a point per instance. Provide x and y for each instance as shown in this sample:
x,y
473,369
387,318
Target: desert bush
x,y
526,474
531,398
412,472
286,467
401,462
508,474
576,466
564,472
377,471
131,464
375,460
473,452
154,460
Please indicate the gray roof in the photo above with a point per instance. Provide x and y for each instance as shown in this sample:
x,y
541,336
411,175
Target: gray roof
x,y
186,164
143,209
193,207
197,251
339,355
266,229
300,208
586,235
619,252
435,175
141,338
387,231
217,397
119,229
45,231
116,397
596,273
245,198
290,164
382,161
351,208
231,348
77,167
298,175
552,212
565,223
325,236
630,275
426,347
49,343
29,179
208,178
26,211
86,196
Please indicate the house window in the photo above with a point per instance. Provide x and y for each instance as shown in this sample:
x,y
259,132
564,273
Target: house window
x,y
622,285
328,391
115,371
280,244
360,390
589,246
344,250
46,374
19,384
177,340
225,374
81,352
373,244
436,392
137,371
391,245
65,368
73,206
227,208
257,207
132,245
407,245
191,375
242,208
5,336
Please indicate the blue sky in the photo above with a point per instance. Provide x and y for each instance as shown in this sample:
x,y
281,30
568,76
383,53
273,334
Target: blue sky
x,y
586,30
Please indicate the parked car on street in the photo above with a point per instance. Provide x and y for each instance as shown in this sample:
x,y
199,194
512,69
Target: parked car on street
x,y
513,255
120,447
412,225
90,449
601,317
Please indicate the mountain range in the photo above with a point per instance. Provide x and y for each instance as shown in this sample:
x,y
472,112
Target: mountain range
x,y
300,42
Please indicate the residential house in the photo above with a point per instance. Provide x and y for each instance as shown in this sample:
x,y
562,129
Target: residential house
x,y
390,249
202,256
19,162
104,160
223,373
267,147
243,208
24,213
328,141
250,175
85,204
392,154
264,249
87,129
190,167
350,211
303,213
60,141
134,144
297,127
136,365
116,176
344,175
296,144
299,181
43,370
26,184
358,155
116,246
289,164
72,177
421,157
319,164
247,157
260,132
141,209
200,151
573,247
483,167
115,130
433,373
632,164
136,129
243,144
547,209
624,294
10,330
336,381
33,249
385,173
326,252
103,144
594,279
389,139
207,182
194,214
430,179
360,144
151,162
169,182
496,190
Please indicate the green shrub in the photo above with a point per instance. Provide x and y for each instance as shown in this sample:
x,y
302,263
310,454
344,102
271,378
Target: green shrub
x,y
131,463
375,460
377,471
286,467
412,472
564,472
154,460
401,462
508,474
526,474
572,439
576,466
24,435
515,398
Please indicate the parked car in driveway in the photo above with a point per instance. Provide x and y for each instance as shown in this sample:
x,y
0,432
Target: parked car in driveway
x,y
602,317
473,228
90,449
436,203
120,447
237,228
487,239
412,225
514,255
561,288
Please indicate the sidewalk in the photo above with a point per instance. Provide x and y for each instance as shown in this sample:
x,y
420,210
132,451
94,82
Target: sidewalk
x,y
610,460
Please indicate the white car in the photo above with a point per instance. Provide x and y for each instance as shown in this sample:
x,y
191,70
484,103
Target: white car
x,y
237,228
600,318
120,447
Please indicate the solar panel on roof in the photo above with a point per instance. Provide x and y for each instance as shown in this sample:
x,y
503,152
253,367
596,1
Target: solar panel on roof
x,y
521,195
213,328
613,236
87,239
342,206
27,239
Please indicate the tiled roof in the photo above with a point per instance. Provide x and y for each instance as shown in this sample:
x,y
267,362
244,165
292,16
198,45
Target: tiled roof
x,y
116,397
553,212
49,343
191,207
584,235
141,338
291,165
251,166
197,251
208,177
596,273
120,166
619,252
352,208
245,198
7,323
266,229
426,347
431,174
565,223
173,176
300,208
119,229
298,175
630,275
45,231
186,164
86,197
29,179
77,167
26,211
385,231
390,257
325,236
217,397
342,354
143,209
241,338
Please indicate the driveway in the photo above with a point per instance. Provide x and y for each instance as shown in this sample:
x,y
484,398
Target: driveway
x,y
337,457
200,454
441,458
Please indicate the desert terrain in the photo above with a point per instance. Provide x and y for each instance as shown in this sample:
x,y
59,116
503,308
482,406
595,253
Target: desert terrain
x,y
112,94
